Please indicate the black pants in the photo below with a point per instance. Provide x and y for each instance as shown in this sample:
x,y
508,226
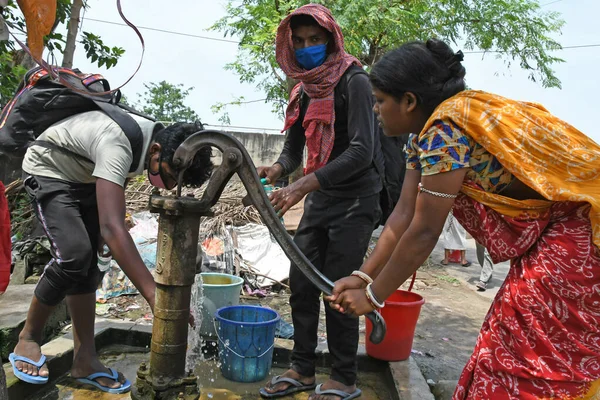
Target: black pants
x,y
334,234
68,213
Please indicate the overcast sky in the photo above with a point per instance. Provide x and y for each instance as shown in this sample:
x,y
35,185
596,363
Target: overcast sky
x,y
200,62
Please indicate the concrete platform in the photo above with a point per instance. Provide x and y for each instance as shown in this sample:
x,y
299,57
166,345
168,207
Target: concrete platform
x,y
405,376
410,382
14,304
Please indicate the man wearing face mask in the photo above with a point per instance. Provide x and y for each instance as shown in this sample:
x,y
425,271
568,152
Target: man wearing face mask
x,y
77,185
330,111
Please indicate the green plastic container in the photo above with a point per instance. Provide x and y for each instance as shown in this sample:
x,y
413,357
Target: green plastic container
x,y
219,290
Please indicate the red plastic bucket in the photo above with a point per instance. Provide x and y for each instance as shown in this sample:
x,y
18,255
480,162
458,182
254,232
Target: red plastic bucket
x,y
400,313
454,256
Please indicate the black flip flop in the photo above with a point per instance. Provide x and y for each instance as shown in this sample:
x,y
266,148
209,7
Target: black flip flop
x,y
296,386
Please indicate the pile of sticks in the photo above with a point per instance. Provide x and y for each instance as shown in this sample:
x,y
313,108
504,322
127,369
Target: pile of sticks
x,y
229,210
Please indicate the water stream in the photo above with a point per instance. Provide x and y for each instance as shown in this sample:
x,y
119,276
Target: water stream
x,y
194,352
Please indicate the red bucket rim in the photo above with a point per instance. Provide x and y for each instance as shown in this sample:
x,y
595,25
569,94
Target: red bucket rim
x,y
407,303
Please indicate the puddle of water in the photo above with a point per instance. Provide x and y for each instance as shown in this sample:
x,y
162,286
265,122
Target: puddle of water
x,y
213,385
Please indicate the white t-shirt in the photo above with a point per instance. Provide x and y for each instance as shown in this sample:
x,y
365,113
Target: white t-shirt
x,y
95,136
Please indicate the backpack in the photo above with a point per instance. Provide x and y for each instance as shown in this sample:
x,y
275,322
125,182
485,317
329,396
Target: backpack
x,y
41,101
389,161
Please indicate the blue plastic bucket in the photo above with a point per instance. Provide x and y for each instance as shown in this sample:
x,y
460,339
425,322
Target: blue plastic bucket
x,y
246,340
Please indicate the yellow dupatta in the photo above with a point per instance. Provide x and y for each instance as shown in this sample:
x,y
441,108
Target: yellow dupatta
x,y
544,152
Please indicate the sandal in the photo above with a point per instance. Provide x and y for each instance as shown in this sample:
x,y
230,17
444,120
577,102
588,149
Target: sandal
x,y
33,379
114,375
295,386
340,393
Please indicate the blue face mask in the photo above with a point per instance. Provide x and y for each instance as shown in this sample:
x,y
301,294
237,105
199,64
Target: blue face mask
x,y
311,57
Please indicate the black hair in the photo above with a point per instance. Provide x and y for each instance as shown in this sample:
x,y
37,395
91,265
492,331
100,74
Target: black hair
x,y
303,20
171,137
431,70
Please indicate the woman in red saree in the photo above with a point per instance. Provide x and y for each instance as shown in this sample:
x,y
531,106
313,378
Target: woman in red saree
x,y
524,184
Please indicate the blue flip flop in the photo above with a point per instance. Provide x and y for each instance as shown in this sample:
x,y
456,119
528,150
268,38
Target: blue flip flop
x,y
36,380
114,375
340,393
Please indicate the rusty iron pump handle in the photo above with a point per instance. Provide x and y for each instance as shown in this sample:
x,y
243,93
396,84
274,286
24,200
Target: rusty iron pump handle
x,y
237,160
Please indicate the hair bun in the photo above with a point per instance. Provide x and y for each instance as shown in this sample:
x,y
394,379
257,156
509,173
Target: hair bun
x,y
444,54
455,59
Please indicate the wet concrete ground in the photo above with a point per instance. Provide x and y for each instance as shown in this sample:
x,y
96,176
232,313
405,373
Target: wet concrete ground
x,y
213,385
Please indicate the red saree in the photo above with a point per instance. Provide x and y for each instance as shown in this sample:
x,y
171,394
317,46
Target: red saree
x,y
541,337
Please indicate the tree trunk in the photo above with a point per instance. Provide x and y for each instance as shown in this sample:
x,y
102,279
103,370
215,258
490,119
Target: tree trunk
x,y
20,57
72,29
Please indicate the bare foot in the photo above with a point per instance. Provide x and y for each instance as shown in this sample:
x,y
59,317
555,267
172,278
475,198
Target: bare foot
x,y
85,367
31,349
331,384
290,373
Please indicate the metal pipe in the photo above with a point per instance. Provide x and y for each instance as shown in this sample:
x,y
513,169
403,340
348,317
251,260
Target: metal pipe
x,y
174,276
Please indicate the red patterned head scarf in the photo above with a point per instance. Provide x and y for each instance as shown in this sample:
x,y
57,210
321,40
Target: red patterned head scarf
x,y
318,83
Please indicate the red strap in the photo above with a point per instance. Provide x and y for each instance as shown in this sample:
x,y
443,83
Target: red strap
x,y
5,244
52,70
412,282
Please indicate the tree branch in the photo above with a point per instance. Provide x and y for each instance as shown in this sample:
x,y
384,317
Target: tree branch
x,y
72,29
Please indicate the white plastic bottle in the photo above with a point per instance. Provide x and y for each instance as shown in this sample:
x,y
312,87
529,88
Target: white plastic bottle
x,y
104,261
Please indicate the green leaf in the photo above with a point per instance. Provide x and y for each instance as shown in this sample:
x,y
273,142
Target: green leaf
x,y
519,29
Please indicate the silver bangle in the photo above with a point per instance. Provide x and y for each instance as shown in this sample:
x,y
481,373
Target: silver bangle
x,y
366,278
438,194
373,298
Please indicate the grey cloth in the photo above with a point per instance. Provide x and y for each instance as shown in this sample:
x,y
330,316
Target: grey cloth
x,y
93,135
487,265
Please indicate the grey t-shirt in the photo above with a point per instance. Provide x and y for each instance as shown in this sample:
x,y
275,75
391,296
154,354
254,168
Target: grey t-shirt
x,y
95,136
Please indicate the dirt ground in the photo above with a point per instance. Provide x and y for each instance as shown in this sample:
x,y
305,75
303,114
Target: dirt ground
x,y
448,325
445,335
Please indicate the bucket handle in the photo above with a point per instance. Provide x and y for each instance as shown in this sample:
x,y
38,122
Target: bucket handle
x,y
235,352
412,282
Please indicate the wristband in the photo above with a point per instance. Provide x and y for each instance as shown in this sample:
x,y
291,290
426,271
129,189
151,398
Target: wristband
x,y
372,298
359,274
